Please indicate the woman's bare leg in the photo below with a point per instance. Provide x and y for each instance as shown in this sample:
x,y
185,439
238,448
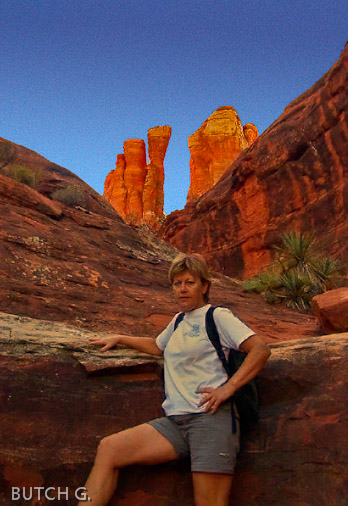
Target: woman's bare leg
x,y
138,445
211,489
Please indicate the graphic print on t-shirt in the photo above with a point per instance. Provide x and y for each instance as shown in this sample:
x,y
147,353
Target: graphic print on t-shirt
x,y
195,331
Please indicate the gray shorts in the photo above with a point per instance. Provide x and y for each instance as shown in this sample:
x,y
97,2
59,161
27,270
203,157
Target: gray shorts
x,y
206,438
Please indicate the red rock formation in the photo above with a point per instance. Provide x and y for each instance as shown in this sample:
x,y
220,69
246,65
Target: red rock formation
x,y
293,177
158,139
213,148
135,189
250,133
331,309
134,178
86,267
115,190
123,187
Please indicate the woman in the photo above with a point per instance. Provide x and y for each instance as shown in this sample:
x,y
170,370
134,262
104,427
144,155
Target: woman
x,y
198,418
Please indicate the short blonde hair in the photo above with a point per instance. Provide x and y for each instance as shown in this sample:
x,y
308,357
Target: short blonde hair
x,y
195,264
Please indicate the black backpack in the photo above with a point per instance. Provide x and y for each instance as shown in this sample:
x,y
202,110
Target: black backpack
x,y
246,398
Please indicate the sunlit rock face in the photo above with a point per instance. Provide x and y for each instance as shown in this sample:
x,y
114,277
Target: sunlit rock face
x,y
134,177
250,133
123,187
115,190
135,188
153,196
294,177
213,148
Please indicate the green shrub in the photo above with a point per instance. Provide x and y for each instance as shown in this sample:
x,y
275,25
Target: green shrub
x,y
71,195
263,282
7,153
300,271
25,175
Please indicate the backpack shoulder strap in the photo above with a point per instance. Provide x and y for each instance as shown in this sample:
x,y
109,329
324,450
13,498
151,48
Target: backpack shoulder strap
x,y
179,319
214,337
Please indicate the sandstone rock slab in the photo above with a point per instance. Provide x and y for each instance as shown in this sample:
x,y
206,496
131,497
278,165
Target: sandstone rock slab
x,y
331,309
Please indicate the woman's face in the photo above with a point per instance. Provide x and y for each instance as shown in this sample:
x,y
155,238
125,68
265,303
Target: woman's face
x,y
189,290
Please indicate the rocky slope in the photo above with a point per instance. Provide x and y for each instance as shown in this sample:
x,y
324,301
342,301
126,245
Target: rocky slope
x,y
85,266
134,188
74,264
294,176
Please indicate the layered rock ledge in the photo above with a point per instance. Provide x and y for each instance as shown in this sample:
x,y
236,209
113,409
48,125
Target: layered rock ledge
x,y
60,396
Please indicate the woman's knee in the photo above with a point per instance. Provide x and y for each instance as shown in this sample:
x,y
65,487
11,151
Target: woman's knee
x,y
201,500
108,450
138,445
211,489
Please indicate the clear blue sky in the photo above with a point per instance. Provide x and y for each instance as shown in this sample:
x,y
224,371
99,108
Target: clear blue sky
x,y
79,77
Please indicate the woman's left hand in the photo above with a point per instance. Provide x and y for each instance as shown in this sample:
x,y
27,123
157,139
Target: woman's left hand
x,y
214,397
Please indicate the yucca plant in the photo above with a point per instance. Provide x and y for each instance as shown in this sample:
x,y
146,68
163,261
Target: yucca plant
x,y
300,271
297,251
297,290
327,271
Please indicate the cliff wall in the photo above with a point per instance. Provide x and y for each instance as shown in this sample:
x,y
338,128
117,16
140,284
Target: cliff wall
x,y
294,176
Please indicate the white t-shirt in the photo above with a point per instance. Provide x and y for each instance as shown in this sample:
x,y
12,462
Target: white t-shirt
x,y
191,361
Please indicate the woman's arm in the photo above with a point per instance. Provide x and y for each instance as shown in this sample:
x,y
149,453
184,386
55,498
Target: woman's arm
x,y
144,344
257,354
